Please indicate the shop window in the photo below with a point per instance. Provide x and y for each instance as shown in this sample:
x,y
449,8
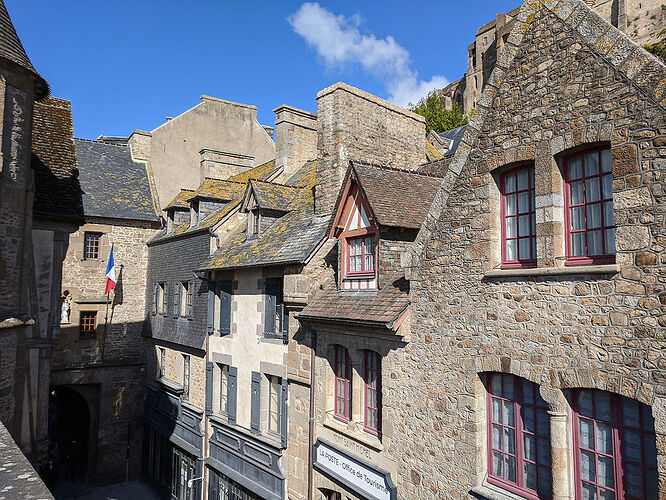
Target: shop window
x,y
518,436
91,245
343,378
88,323
518,217
372,393
615,447
589,221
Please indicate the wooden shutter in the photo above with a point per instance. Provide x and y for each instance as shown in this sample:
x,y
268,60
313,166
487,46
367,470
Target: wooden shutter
x,y
283,411
269,323
211,306
176,300
209,387
255,409
232,377
224,288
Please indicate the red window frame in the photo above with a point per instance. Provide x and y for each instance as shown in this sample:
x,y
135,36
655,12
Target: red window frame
x,y
88,323
372,393
511,197
342,397
618,429
515,425
607,255
91,243
363,255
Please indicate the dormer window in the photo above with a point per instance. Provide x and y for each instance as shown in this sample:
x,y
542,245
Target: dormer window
x,y
194,213
253,220
170,221
361,255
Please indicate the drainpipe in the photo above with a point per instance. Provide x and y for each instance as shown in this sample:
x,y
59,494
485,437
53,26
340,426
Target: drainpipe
x,y
313,337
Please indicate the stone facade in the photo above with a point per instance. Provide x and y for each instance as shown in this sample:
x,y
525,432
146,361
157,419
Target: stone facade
x,y
567,81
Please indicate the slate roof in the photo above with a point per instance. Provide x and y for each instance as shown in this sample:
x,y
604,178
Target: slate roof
x,y
218,189
290,239
399,198
11,49
382,306
57,189
113,184
272,196
437,167
180,200
238,184
454,136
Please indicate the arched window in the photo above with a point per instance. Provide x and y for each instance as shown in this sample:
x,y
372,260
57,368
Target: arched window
x,y
518,436
373,392
615,447
343,378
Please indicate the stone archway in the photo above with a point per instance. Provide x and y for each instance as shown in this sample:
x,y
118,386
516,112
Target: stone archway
x,y
69,433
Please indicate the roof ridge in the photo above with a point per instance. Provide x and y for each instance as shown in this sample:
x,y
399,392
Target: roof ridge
x,y
220,180
395,169
95,141
275,183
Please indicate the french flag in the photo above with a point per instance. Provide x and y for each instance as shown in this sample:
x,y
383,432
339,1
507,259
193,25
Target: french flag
x,y
110,274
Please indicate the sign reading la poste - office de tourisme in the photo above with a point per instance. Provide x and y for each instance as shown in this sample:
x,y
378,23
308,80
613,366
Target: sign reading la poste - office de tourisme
x,y
353,472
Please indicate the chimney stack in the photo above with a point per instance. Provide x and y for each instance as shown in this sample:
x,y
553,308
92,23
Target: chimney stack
x,y
356,126
295,139
222,165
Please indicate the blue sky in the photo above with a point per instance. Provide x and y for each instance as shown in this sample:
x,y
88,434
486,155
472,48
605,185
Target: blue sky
x,y
127,65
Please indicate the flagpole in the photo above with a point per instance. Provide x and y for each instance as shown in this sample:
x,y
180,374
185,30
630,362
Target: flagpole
x,y
106,313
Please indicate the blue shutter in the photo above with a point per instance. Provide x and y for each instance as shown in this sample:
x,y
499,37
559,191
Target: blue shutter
x,y
176,300
283,412
255,409
209,387
211,306
269,323
232,377
224,288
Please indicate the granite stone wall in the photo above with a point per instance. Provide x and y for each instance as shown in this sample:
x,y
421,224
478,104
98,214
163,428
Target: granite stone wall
x,y
567,81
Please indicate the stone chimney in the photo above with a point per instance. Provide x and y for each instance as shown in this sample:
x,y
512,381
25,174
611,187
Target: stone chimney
x,y
295,138
140,143
222,165
356,126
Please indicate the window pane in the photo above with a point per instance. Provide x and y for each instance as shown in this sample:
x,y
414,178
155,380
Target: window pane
x,y
594,242
496,385
528,420
544,481
607,182
602,405
575,169
523,176
577,218
498,468
606,471
528,392
589,492
511,250
543,451
586,433
606,495
630,416
609,235
508,413
529,451
593,213
606,160
649,450
588,468
651,483
511,223
524,225
592,190
633,480
509,440
507,387
524,202
524,249
631,446
497,410
591,163
604,438
511,469
542,428
510,202
609,219
576,193
530,476
510,183
497,437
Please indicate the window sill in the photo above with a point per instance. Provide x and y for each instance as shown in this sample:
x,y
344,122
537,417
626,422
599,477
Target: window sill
x,y
171,386
553,271
490,492
360,436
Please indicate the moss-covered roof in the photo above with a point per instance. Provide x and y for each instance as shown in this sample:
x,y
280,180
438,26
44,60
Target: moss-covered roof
x,y
218,189
290,239
272,196
180,200
262,172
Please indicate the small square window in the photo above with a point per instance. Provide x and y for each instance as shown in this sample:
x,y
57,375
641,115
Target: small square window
x,y
361,255
88,323
91,245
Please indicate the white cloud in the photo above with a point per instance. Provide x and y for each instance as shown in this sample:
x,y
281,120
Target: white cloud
x,y
338,41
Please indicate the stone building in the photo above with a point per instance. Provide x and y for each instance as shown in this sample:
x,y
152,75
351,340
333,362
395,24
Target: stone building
x,y
535,364
97,378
